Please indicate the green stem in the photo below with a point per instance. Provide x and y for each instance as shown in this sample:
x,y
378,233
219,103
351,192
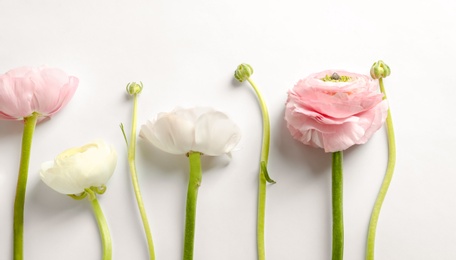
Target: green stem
x,y
263,175
337,207
190,212
134,180
18,225
102,225
386,181
266,124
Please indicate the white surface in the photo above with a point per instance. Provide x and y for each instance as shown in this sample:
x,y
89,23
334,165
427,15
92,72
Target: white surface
x,y
185,53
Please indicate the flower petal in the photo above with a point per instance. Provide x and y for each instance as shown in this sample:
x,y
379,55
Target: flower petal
x,y
60,179
170,133
76,169
215,134
335,115
25,90
200,129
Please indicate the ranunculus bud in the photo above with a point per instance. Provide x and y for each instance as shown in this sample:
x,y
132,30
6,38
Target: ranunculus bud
x,y
134,88
243,72
380,70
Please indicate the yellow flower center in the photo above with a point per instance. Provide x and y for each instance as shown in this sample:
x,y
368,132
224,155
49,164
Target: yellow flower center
x,y
336,78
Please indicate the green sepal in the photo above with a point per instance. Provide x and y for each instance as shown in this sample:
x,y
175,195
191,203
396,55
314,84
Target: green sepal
x,y
134,88
80,196
243,72
91,192
99,190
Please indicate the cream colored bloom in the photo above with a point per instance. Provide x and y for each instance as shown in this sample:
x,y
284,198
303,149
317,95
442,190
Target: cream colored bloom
x,y
199,129
80,168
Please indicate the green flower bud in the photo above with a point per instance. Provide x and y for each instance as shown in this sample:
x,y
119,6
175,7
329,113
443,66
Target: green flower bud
x,y
380,70
134,88
243,72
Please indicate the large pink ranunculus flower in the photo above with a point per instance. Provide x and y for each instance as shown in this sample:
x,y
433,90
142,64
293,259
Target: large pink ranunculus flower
x,y
25,90
335,111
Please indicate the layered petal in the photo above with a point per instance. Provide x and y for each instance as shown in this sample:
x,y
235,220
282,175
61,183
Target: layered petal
x,y
76,169
26,90
170,133
334,115
199,129
215,134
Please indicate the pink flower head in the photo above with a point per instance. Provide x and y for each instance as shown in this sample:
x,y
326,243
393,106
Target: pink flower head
x,y
335,111
25,90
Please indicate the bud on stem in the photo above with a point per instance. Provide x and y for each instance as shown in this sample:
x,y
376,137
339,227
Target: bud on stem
x,y
243,72
380,70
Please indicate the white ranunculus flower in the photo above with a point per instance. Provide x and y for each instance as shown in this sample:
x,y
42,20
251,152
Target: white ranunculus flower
x,y
80,168
199,129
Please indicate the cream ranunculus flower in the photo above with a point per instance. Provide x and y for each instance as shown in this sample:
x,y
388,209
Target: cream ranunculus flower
x,y
199,129
80,168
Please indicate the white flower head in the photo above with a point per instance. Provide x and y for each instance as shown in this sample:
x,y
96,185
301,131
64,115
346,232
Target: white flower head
x,y
199,129
80,168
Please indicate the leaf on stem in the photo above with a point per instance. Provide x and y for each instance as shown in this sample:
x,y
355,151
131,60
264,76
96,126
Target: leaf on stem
x,y
264,171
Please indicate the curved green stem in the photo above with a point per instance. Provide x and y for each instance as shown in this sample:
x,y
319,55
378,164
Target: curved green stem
x,y
266,124
386,181
102,225
337,207
263,175
18,225
190,212
134,179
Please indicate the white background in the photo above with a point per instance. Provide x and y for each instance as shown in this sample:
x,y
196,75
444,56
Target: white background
x,y
185,53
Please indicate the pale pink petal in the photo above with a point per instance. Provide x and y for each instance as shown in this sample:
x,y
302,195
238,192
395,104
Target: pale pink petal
x,y
377,117
26,90
170,133
335,115
344,137
198,129
215,134
15,97
53,89
192,114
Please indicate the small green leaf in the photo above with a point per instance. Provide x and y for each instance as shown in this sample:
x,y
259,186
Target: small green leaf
x,y
264,170
123,133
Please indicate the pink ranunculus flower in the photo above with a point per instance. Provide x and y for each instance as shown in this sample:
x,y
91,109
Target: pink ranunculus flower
x,y
334,110
26,90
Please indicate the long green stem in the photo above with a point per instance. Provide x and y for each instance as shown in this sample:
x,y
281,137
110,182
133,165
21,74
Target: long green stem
x,y
134,179
18,225
337,207
386,181
263,175
266,124
190,212
103,227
